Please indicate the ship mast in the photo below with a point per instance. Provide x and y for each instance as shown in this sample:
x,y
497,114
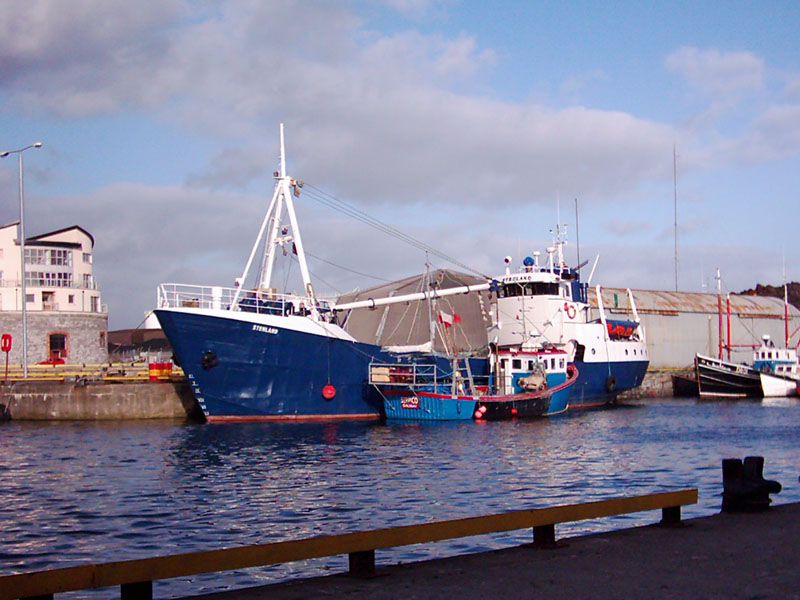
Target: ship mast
x,y
279,234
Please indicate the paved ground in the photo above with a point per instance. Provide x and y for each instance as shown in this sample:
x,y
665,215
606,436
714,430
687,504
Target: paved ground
x,y
727,556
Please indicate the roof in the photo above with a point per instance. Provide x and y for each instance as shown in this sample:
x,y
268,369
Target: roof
x,y
57,231
671,303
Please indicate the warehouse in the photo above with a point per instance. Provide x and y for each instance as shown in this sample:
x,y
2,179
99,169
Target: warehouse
x,y
677,324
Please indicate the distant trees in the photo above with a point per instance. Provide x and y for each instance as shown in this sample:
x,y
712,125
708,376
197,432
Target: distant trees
x,y
773,291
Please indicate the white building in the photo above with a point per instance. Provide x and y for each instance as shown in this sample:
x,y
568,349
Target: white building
x,y
66,319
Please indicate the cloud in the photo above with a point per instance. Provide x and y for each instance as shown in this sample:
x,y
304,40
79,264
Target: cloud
x,y
89,59
717,73
792,90
399,124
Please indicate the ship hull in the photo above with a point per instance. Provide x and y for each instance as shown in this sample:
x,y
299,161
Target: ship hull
x,y
721,379
259,369
599,383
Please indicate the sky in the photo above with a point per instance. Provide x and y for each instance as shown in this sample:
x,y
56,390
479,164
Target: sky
x,y
473,127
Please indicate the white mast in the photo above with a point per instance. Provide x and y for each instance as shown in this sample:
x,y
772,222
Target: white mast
x,y
285,187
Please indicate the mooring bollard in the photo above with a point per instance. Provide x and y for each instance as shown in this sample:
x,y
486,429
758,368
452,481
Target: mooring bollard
x,y
743,485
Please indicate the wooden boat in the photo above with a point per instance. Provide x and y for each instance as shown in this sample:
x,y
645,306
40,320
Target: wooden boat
x,y
723,379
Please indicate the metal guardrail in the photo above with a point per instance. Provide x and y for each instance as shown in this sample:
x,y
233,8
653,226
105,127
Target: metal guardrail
x,y
136,576
85,373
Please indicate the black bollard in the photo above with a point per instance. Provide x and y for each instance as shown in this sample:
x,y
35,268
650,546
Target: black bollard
x,y
744,487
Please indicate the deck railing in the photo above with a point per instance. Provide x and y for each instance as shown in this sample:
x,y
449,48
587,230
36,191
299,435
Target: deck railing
x,y
175,295
136,576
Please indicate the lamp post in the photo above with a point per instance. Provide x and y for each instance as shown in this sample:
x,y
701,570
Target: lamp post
x,y
22,253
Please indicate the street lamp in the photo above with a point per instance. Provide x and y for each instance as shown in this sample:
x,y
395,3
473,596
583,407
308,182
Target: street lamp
x,y
22,254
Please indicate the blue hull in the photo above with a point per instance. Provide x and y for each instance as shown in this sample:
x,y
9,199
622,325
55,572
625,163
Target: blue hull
x,y
600,383
279,374
238,371
424,408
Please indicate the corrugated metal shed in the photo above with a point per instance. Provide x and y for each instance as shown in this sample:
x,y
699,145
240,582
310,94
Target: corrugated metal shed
x,y
680,324
677,324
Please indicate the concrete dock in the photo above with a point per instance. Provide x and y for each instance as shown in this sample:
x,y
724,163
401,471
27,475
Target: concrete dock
x,y
726,556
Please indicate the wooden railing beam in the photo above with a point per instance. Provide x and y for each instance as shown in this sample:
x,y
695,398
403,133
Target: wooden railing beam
x,y
135,575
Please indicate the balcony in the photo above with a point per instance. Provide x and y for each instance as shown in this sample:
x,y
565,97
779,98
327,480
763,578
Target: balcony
x,y
38,283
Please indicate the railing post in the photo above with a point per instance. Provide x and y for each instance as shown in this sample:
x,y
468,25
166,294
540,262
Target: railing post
x,y
671,515
362,564
544,536
141,590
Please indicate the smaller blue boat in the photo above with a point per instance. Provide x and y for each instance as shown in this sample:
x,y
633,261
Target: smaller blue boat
x,y
520,384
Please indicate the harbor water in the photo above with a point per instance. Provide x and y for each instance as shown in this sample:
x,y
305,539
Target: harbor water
x,y
76,493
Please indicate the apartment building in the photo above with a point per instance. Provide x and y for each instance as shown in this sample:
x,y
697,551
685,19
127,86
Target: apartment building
x,y
65,317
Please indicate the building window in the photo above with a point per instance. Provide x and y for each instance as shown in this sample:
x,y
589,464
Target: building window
x,y
71,298
41,256
95,304
35,256
87,258
87,281
57,345
102,339
29,298
46,279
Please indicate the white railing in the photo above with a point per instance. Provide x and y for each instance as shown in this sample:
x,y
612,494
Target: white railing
x,y
49,283
178,295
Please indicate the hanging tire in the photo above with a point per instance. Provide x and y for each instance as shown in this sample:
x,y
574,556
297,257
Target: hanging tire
x,y
209,360
611,383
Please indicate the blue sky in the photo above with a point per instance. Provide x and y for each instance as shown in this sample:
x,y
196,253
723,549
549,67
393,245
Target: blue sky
x,y
464,124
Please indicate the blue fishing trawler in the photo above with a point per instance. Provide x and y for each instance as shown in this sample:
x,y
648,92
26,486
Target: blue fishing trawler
x,y
518,385
252,353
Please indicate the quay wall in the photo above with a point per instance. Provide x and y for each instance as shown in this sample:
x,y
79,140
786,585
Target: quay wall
x,y
657,384
66,401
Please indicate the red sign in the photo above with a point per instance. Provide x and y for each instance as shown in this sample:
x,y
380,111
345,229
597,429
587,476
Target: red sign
x,y
5,342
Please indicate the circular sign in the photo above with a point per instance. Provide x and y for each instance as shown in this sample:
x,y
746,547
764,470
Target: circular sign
x,y
5,342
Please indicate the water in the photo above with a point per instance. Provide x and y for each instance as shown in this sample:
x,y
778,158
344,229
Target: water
x,y
73,493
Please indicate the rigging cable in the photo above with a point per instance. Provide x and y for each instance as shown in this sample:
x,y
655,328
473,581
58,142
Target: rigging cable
x,y
355,213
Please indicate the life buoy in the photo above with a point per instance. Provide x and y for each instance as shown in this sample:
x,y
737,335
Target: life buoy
x,y
611,383
570,310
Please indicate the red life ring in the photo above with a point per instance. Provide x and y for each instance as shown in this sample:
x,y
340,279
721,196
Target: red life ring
x,y
570,310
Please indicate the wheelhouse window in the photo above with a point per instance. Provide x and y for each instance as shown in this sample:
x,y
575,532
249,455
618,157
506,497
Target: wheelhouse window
x,y
531,288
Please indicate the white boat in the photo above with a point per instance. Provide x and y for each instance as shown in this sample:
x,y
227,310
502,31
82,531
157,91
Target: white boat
x,y
778,369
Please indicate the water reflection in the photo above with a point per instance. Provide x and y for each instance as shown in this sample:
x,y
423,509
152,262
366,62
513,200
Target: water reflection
x,y
80,492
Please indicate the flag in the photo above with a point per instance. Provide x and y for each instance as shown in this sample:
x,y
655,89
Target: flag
x,y
447,319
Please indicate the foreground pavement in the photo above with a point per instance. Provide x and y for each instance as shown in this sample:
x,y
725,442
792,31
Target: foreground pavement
x,y
751,556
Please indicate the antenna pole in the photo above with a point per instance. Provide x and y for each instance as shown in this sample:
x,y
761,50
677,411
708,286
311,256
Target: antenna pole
x,y
577,233
675,202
